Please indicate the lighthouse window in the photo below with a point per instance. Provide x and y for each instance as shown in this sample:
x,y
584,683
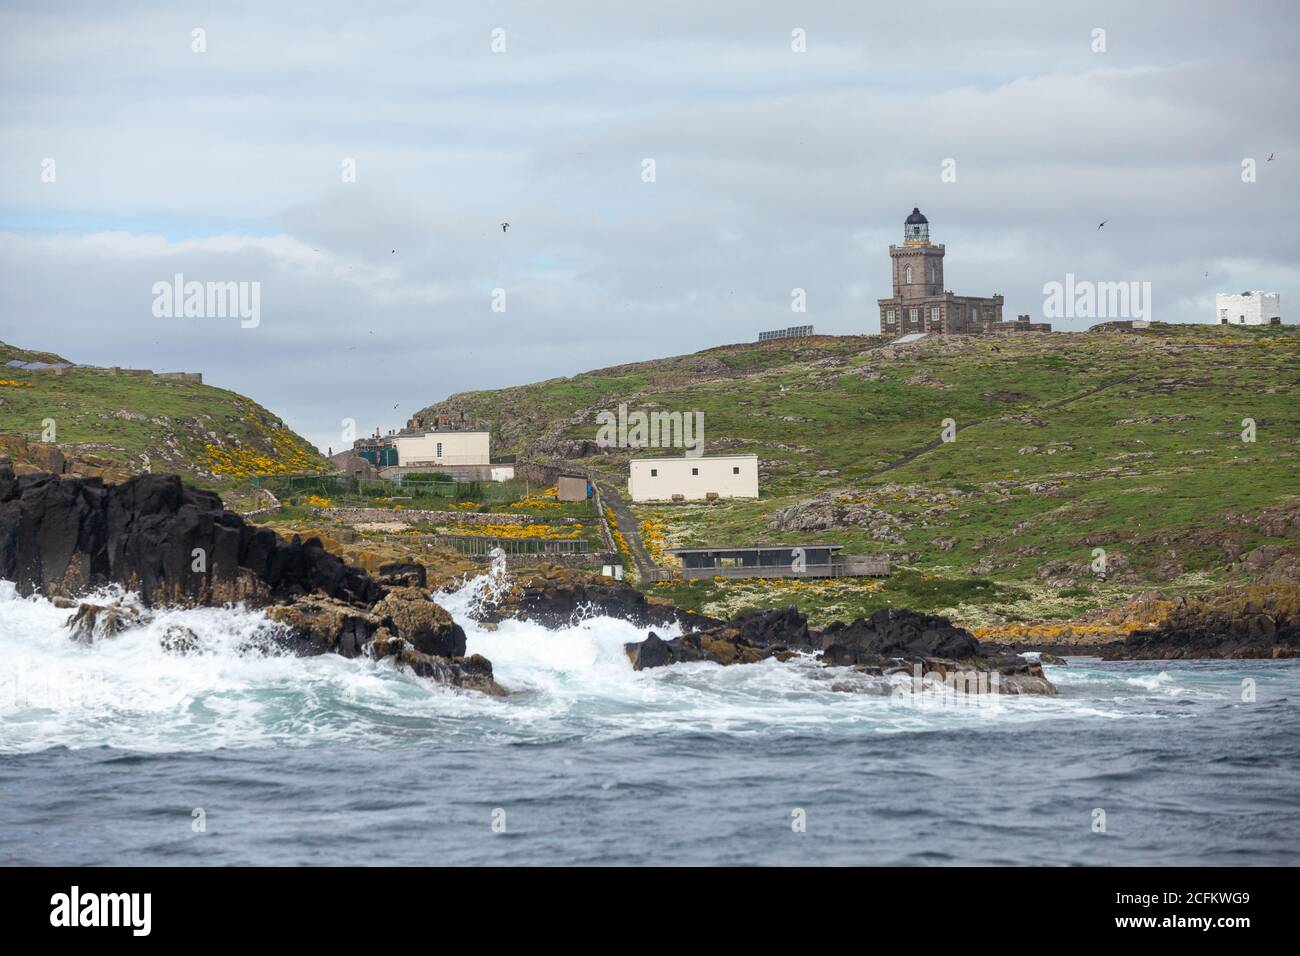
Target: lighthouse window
x,y
909,274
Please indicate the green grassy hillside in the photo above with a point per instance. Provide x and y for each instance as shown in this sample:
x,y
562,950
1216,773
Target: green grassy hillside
x,y
1067,442
214,437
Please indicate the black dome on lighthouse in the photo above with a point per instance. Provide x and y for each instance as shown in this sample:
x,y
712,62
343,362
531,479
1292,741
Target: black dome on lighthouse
x,y
916,218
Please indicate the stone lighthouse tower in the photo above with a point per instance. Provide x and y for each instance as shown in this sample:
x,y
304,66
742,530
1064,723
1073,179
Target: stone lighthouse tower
x,y
918,265
919,302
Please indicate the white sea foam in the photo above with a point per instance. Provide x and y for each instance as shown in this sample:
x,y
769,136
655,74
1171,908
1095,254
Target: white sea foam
x,y
235,689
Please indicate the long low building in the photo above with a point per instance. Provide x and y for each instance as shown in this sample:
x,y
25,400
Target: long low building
x,y
443,447
693,479
777,561
464,454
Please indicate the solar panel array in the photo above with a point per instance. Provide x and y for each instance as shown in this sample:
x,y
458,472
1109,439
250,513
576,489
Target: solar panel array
x,y
794,332
19,363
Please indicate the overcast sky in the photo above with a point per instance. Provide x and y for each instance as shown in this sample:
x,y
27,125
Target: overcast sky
x,y
774,170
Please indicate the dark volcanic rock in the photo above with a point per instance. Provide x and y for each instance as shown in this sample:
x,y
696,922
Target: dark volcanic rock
x,y
171,543
893,633
177,545
778,629
1249,633
721,647
94,622
404,574
890,641
751,637
409,613
320,625
654,651
556,597
471,673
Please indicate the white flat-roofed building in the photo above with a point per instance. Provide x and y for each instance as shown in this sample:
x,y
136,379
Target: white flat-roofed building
x,y
1248,308
443,448
693,479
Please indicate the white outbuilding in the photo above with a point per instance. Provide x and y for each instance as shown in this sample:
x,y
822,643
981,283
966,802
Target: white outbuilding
x,y
693,479
1248,308
444,447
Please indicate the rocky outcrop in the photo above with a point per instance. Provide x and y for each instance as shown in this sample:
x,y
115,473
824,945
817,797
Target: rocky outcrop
x,y
838,510
320,624
556,597
751,637
471,673
176,545
95,622
1261,621
893,634
33,458
171,543
889,642
1253,621
426,626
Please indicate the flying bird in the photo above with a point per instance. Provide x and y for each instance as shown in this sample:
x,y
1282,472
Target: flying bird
x,y
1103,222
505,226
1270,158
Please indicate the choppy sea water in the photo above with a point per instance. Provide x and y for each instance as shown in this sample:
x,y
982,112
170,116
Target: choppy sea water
x,y
121,753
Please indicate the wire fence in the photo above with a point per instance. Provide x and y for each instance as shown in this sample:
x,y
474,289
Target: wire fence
x,y
429,492
418,493
485,545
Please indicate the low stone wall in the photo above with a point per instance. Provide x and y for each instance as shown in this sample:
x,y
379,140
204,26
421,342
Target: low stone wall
x,y
412,517
538,472
271,507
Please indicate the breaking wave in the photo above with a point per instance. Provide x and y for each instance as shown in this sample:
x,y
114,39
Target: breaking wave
x,y
234,688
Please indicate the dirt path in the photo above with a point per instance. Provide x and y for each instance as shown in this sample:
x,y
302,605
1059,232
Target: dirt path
x,y
627,524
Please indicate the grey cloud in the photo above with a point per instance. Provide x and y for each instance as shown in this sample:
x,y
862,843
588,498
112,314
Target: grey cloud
x,y
775,170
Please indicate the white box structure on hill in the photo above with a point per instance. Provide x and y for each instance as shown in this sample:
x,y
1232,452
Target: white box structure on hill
x,y
1248,308
693,479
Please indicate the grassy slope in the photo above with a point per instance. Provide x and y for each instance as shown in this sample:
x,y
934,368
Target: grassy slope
x,y
214,437
1144,458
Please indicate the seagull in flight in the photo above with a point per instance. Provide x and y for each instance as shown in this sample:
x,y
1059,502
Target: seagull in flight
x,y
1103,222
505,226
1270,158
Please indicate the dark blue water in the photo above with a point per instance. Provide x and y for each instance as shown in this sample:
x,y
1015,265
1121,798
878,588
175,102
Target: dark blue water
x,y
106,752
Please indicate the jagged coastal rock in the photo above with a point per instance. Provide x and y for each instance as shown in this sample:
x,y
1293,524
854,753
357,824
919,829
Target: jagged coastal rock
x,y
1260,622
890,641
176,545
556,597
